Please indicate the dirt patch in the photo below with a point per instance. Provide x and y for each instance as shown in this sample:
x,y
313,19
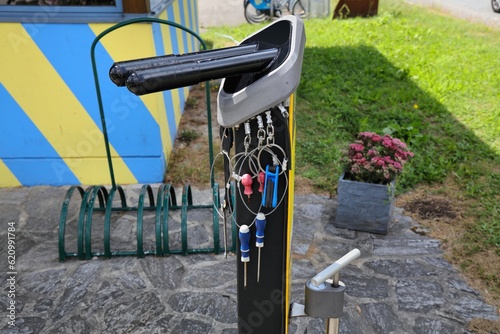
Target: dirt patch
x,y
484,326
431,208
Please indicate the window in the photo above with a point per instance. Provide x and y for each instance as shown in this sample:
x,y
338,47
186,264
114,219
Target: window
x,y
74,11
58,2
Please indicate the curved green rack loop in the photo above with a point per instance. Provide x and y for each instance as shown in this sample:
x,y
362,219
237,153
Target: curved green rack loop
x,y
102,194
81,222
107,217
187,200
62,220
166,199
140,215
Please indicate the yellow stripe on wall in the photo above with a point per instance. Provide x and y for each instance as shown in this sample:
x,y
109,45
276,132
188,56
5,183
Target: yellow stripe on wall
x,y
40,92
176,99
164,128
162,119
190,38
7,179
165,32
188,25
129,42
179,32
187,48
182,49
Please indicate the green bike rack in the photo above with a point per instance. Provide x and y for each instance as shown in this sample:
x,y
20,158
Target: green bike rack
x,y
97,200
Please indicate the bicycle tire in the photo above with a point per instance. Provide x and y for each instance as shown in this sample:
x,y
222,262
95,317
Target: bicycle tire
x,y
495,5
252,15
298,9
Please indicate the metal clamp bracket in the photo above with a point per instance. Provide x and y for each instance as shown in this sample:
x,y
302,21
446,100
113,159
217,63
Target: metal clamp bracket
x,y
324,294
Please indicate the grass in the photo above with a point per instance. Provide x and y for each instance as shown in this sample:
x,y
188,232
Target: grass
x,y
428,79
187,136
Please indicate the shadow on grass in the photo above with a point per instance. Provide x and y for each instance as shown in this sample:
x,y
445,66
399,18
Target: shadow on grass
x,y
345,90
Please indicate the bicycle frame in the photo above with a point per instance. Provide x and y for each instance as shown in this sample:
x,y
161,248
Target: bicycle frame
x,y
260,4
257,11
265,5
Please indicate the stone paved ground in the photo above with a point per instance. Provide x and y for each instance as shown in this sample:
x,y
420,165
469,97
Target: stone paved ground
x,y
400,284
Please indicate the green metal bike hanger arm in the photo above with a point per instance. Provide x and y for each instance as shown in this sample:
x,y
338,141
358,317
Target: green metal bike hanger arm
x,y
98,88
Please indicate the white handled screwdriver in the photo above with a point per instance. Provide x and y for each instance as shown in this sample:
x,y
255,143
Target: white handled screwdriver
x,y
260,224
245,250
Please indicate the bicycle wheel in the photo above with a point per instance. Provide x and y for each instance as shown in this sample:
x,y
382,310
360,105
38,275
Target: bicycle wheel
x,y
253,15
495,5
298,9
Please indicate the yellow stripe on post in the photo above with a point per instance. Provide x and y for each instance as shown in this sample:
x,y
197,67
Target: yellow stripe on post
x,y
50,104
7,179
291,196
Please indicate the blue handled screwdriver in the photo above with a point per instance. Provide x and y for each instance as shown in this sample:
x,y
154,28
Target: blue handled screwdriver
x,y
245,250
260,224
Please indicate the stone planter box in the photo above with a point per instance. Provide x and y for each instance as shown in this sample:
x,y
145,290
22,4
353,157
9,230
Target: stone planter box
x,y
364,206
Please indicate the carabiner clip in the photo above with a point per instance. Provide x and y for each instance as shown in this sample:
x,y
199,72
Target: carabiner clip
x,y
270,194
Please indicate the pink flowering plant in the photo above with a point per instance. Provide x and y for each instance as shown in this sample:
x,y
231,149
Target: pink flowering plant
x,y
375,159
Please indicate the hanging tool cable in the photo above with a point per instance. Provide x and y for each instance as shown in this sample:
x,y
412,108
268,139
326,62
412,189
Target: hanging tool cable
x,y
245,250
227,138
260,224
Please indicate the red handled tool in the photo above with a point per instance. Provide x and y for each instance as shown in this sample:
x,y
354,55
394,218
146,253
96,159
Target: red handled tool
x,y
246,180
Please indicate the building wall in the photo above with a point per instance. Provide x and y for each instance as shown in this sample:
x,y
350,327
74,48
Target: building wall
x,y
50,127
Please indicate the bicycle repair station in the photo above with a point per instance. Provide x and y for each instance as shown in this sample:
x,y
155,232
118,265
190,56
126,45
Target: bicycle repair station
x,y
104,244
